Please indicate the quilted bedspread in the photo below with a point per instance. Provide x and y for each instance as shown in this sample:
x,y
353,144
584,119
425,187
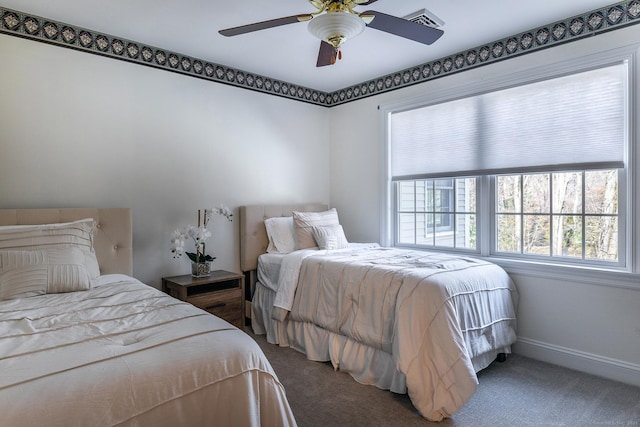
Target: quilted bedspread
x,y
124,353
433,312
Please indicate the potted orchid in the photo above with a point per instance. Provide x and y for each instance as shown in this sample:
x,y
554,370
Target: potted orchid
x,y
200,260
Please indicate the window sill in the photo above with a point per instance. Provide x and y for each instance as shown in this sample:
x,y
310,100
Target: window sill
x,y
572,273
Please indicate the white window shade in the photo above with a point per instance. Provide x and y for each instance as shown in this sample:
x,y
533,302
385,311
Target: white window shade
x,y
556,124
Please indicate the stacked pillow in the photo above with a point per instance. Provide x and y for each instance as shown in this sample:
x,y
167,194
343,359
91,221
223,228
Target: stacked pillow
x,y
305,230
281,233
330,237
47,258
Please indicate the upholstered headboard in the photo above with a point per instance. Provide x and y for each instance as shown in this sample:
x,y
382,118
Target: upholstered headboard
x,y
253,235
112,239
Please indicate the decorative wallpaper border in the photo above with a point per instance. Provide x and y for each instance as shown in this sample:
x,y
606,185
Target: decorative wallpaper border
x,y
32,27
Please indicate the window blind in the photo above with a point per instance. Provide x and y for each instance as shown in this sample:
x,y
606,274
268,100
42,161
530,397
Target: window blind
x,y
557,124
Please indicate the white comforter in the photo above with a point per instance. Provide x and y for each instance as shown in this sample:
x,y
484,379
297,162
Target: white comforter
x,y
432,312
127,354
289,273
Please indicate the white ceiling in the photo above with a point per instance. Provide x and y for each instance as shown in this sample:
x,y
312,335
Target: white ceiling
x,y
289,53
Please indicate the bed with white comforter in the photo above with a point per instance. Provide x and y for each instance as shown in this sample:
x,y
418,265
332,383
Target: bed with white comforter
x,y
83,350
414,322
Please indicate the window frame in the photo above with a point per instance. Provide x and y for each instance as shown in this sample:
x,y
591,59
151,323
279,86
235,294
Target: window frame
x,y
629,253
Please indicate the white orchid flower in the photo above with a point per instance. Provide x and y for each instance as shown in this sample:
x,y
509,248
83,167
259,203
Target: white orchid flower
x,y
199,235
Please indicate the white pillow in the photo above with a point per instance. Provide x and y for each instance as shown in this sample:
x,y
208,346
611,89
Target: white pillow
x,y
330,237
281,235
305,221
60,235
30,273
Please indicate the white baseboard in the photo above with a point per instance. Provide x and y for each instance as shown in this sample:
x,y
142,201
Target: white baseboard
x,y
613,369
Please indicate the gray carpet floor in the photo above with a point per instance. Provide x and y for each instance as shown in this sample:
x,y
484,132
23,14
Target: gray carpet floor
x,y
518,392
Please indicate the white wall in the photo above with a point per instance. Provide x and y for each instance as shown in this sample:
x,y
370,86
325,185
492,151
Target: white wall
x,y
80,130
581,325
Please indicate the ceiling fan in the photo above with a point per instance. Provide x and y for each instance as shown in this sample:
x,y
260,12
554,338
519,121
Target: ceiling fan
x,y
336,21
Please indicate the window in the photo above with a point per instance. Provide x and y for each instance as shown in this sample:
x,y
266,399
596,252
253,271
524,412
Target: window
x,y
437,212
532,171
563,214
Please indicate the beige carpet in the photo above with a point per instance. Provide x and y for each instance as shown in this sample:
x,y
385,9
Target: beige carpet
x,y
518,392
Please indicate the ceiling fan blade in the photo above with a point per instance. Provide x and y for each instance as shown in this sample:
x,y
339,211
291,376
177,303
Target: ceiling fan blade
x,y
403,28
365,2
325,54
249,28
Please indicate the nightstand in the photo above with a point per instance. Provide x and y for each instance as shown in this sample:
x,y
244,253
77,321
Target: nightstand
x,y
221,294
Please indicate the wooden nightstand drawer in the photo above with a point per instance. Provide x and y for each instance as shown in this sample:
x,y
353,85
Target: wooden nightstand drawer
x,y
221,294
226,304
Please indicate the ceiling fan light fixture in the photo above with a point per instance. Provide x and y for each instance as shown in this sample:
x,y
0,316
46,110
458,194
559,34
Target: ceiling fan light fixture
x,y
336,27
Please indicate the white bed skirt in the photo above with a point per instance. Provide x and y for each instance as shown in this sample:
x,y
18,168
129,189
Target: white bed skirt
x,y
261,322
365,364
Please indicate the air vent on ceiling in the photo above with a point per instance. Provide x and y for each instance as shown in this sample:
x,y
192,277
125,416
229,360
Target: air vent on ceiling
x,y
425,17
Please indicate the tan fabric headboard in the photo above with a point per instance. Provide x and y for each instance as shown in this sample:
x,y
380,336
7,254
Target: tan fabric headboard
x,y
112,239
253,235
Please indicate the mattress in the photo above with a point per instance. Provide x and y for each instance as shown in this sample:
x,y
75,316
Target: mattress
x,y
124,353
